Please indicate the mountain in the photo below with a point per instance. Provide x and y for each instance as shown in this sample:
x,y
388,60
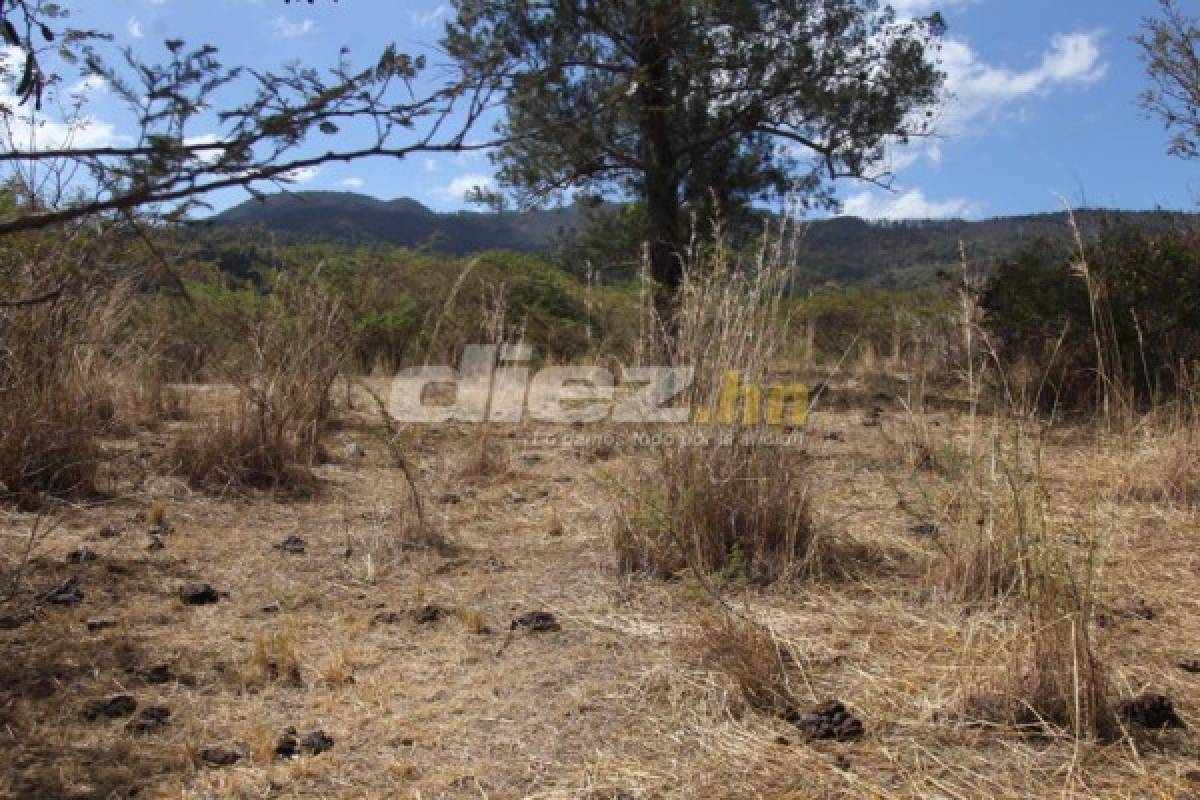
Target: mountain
x,y
848,249
358,219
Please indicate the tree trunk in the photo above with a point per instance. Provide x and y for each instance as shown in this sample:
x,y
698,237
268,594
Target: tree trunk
x,y
661,170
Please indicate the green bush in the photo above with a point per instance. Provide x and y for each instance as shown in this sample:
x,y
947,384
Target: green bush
x,y
1146,296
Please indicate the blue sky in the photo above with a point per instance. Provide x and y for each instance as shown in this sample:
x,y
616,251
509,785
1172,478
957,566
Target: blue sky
x,y
1045,101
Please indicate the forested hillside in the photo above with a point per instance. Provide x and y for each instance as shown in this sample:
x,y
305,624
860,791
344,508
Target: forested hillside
x,y
845,249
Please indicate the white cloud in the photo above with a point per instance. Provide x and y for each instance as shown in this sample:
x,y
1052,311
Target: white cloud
x,y
427,19
978,88
978,93
457,189
302,175
92,84
206,155
134,27
911,204
354,183
24,128
287,29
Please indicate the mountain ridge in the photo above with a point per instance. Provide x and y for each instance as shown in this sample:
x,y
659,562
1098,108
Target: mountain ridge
x,y
849,249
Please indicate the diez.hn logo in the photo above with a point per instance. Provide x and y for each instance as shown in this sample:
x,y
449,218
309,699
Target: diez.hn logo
x,y
495,384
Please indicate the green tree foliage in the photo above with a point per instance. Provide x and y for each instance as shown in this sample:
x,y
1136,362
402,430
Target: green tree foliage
x,y
402,307
1147,296
696,105
1171,50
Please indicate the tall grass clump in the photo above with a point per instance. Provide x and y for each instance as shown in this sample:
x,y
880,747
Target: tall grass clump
x,y
70,370
724,498
269,437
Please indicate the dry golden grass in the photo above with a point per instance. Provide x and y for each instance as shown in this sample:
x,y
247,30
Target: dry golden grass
x,y
740,511
634,697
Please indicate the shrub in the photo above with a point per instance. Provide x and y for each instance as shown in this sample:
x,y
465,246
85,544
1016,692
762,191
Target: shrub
x,y
1118,316
731,503
734,510
65,380
270,438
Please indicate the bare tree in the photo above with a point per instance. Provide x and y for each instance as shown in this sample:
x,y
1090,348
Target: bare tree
x,y
1170,50
168,168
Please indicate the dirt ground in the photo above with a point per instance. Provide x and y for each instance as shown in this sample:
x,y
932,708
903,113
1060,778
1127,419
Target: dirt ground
x,y
406,658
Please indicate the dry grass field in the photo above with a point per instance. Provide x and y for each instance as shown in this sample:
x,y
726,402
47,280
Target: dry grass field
x,y
396,637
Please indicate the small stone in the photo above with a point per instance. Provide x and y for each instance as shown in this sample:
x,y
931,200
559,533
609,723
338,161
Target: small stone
x,y
198,594
315,743
100,624
293,545
450,498
428,615
218,756
1191,666
151,720
65,594
14,620
536,622
1148,710
82,556
924,530
109,532
158,674
828,721
287,746
119,705
291,745
155,543
355,452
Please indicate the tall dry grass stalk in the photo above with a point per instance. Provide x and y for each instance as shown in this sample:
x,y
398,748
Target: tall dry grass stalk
x,y
271,435
69,374
722,500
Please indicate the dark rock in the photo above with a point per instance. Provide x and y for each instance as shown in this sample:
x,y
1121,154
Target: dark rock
x,y
82,556
151,720
14,620
536,622
67,593
198,594
287,745
292,544
95,625
450,498
828,721
158,674
218,756
1148,710
109,532
155,543
833,436
1191,666
292,745
925,530
119,705
428,615
315,742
